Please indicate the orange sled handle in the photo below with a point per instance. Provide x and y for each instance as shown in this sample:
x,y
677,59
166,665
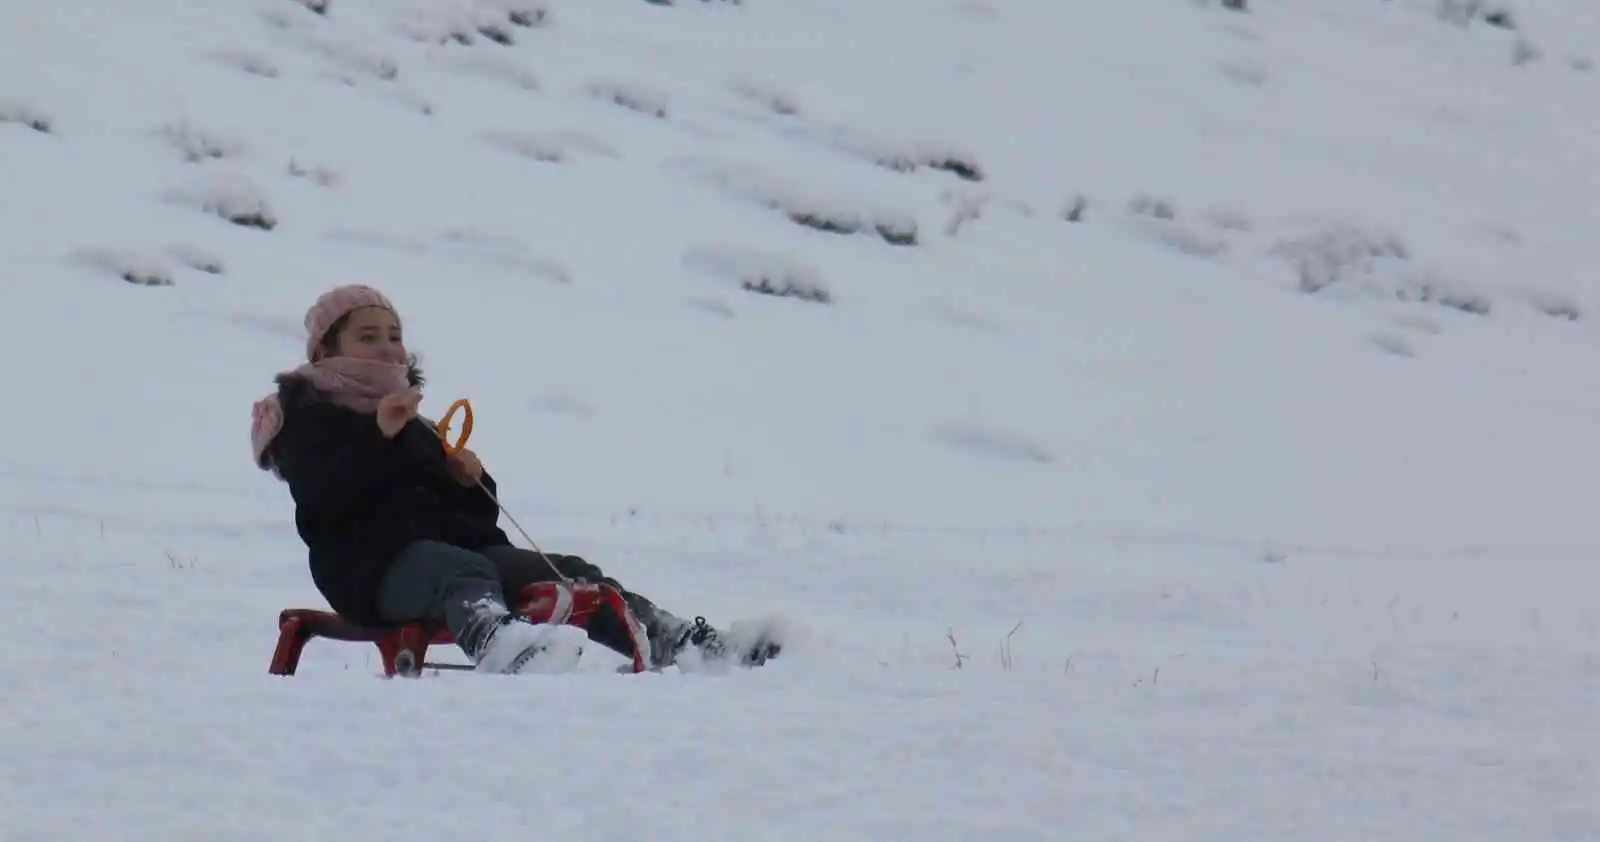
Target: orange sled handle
x,y
466,427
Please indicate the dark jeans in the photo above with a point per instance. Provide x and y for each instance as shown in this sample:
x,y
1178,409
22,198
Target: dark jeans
x,y
467,590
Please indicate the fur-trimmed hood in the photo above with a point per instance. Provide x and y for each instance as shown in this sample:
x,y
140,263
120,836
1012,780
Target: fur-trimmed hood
x,y
296,390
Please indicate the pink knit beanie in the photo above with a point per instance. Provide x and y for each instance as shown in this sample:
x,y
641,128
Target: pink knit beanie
x,y
334,305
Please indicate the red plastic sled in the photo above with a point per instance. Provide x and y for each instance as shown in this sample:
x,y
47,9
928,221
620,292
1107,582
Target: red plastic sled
x,y
404,648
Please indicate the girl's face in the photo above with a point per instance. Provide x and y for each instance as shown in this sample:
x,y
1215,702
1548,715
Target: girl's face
x,y
372,333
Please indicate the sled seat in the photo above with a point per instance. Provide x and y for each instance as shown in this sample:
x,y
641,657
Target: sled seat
x,y
404,648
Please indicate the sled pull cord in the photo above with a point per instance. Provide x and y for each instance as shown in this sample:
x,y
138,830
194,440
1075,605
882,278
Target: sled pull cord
x,y
452,448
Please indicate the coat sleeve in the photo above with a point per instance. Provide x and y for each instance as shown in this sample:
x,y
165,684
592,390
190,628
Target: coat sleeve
x,y
422,437
476,501
334,459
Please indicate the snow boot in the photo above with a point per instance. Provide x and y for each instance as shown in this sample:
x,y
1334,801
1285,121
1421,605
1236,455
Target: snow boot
x,y
515,645
748,647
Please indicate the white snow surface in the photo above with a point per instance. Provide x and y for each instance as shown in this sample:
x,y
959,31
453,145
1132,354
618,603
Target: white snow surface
x,y
1253,502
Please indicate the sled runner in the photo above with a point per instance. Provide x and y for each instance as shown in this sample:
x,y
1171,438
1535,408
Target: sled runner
x,y
405,648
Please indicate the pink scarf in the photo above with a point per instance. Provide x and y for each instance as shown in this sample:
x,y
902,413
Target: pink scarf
x,y
347,381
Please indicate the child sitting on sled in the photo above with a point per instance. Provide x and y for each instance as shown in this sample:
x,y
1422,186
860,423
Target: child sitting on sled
x,y
399,531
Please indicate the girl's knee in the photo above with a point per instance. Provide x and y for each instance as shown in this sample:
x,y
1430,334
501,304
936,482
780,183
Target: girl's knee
x,y
449,562
578,567
475,566
428,573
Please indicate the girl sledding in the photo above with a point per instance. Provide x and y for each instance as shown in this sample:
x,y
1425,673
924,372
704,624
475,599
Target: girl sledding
x,y
401,529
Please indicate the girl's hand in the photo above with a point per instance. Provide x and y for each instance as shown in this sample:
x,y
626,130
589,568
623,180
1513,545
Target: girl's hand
x,y
397,410
465,467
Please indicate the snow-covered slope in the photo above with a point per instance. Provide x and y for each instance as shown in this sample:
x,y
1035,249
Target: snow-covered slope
x,y
1172,424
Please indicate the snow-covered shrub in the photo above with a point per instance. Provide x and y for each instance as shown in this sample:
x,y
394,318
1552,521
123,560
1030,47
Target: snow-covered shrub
x,y
805,204
1460,12
135,267
1157,219
351,59
497,33
246,61
992,442
497,67
964,208
550,147
1337,252
1553,304
1429,289
1228,219
1075,208
229,196
197,259
1524,51
1371,262
1145,205
962,166
527,14
902,156
767,95
881,151
828,223
196,145
1500,17
967,205
1181,237
466,21
23,114
785,288
323,176
1246,73
632,96
530,145
760,272
896,228
1392,343
467,36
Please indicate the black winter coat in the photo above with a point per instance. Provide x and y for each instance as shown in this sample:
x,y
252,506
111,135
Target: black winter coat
x,y
361,498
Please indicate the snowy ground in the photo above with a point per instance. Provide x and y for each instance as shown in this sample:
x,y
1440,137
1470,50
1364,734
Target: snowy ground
x,y
1193,440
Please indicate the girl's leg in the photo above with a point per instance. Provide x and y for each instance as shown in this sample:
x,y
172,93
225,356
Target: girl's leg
x,y
518,568
434,581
